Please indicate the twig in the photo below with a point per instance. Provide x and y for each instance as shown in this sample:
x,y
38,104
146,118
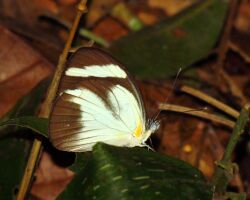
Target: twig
x,y
222,51
217,150
212,101
201,114
45,111
225,168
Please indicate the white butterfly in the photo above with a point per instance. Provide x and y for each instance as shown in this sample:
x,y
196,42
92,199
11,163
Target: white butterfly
x,y
97,102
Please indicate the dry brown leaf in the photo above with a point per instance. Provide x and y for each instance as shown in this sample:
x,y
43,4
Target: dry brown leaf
x,y
147,18
67,2
171,7
47,5
51,179
110,29
21,69
188,140
23,10
182,136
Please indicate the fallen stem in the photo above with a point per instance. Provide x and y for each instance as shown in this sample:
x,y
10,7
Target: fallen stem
x,y
45,111
212,101
197,113
225,168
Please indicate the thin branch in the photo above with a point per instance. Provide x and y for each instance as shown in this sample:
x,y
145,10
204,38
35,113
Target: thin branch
x,y
225,168
217,149
196,113
212,101
45,111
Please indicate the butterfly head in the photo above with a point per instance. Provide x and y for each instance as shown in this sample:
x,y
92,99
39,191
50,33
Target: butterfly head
x,y
151,127
142,134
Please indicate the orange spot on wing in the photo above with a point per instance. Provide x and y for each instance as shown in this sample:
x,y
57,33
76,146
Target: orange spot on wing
x,y
138,130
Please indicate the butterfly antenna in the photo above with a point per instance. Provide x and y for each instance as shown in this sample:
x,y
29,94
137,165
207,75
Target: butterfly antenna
x,y
170,93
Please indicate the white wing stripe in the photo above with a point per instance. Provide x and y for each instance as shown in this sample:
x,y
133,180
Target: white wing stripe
x,y
109,70
114,126
129,107
90,104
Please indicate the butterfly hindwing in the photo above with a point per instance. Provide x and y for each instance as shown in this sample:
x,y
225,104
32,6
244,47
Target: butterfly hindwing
x,y
97,102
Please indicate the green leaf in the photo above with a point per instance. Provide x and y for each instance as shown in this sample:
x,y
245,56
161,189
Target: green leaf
x,y
13,155
160,50
80,162
136,173
36,124
14,146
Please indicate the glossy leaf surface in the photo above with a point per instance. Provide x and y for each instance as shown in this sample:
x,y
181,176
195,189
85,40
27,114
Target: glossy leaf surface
x,y
161,50
136,173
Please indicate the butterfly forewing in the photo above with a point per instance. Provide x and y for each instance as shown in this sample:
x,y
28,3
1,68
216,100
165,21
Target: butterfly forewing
x,y
96,102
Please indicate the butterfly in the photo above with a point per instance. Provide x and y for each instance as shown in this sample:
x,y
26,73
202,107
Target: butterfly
x,y
97,101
